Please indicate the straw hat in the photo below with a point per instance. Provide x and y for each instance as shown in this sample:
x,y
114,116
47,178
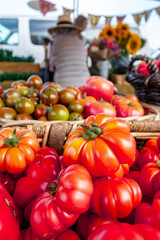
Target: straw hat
x,y
64,21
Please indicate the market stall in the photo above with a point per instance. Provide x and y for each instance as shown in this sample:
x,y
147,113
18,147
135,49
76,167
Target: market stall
x,y
83,162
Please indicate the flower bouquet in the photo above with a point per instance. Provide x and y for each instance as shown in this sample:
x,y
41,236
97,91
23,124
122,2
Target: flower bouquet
x,y
103,49
115,43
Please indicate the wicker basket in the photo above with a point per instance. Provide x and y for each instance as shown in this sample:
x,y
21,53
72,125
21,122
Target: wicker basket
x,y
55,133
147,87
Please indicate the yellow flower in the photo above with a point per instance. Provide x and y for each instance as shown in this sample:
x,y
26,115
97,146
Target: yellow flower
x,y
101,35
108,32
122,29
134,44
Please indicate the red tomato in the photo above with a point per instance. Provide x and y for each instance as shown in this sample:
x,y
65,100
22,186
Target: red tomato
x,y
68,234
151,144
127,108
115,99
96,107
149,180
125,231
88,222
40,111
84,99
17,149
8,181
101,145
56,210
146,157
9,224
108,197
99,87
132,97
141,68
38,177
149,214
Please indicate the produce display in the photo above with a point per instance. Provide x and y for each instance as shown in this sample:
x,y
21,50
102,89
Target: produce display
x,y
103,186
31,99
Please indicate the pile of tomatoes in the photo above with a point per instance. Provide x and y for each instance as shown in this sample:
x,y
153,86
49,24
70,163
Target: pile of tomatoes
x,y
101,187
31,99
48,102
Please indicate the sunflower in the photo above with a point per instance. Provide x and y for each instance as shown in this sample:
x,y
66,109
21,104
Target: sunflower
x,y
122,29
134,44
108,32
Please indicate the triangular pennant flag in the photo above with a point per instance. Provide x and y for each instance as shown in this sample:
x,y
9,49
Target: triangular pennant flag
x,y
93,20
67,11
120,19
137,17
158,10
108,20
147,15
45,6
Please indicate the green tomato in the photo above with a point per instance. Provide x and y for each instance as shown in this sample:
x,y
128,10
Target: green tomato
x,y
58,112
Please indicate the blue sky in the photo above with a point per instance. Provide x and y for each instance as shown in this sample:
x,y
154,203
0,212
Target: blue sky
x,y
98,7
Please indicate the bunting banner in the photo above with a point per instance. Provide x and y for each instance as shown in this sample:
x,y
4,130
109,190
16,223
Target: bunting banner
x,y
67,11
46,6
120,19
137,17
108,20
158,11
93,20
147,15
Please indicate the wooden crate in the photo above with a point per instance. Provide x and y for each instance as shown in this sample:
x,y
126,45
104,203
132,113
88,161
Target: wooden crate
x,y
19,67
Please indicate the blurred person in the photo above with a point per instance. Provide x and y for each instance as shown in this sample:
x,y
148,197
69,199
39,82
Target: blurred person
x,y
81,21
69,55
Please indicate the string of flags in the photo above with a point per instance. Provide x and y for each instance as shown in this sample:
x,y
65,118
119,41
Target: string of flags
x,y
137,17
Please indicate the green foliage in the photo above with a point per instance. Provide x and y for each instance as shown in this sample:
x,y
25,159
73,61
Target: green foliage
x,y
7,56
14,76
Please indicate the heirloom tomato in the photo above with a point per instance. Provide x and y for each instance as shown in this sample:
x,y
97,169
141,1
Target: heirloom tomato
x,y
9,223
102,144
88,222
149,213
125,231
38,176
83,98
151,144
57,209
126,108
17,149
108,197
96,107
149,180
99,87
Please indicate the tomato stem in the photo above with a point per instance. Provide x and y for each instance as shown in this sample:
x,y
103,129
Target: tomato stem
x,y
158,162
13,142
54,185
92,131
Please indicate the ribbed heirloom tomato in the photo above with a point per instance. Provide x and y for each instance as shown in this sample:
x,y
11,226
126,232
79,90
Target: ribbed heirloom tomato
x,y
56,210
103,145
17,149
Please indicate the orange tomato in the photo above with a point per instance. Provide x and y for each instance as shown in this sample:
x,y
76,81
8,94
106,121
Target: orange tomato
x,y
17,149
